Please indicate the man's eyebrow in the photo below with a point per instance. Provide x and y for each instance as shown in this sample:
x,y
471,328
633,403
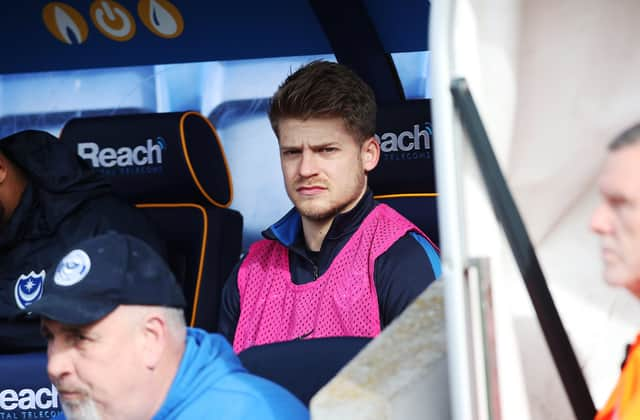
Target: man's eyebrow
x,y
325,144
86,331
296,147
73,329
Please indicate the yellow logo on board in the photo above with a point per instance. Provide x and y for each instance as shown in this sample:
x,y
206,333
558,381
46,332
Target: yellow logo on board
x,y
65,23
161,17
113,20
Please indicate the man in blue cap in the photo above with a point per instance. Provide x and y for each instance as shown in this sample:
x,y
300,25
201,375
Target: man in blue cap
x,y
118,347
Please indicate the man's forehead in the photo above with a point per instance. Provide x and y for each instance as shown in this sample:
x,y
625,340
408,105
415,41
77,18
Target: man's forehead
x,y
313,129
52,323
621,171
56,326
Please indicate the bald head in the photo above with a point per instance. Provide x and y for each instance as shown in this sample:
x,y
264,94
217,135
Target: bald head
x,y
13,182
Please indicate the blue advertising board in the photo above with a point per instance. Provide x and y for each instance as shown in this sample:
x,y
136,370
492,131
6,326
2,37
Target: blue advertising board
x,y
76,34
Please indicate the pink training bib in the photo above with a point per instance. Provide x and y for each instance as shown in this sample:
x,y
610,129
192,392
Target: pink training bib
x,y
341,302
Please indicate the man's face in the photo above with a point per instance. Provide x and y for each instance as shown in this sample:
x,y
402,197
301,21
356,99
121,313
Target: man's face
x,y
12,185
617,218
324,166
96,368
4,189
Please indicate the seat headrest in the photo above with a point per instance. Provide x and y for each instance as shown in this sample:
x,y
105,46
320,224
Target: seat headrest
x,y
163,157
406,161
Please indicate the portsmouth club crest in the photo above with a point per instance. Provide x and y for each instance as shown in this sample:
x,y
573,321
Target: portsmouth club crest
x,y
29,288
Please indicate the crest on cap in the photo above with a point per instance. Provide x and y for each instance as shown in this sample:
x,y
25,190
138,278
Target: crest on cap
x,y
28,288
73,268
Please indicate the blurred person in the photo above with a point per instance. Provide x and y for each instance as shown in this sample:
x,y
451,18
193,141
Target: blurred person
x,y
49,200
339,263
617,221
118,346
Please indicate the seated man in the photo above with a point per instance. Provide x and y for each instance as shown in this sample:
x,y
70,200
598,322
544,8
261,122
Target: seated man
x,y
118,347
49,200
616,221
339,263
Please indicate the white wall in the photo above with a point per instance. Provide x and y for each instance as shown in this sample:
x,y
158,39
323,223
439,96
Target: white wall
x,y
555,81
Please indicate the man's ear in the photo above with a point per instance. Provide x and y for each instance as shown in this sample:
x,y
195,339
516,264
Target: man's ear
x,y
370,152
154,339
4,168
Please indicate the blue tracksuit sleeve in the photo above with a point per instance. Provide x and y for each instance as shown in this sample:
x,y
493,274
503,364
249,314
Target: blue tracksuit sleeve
x,y
211,383
402,273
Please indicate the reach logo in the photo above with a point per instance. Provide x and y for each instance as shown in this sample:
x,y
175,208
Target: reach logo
x,y
144,158
406,145
27,403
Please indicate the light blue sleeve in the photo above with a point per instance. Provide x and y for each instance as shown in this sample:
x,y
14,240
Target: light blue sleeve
x,y
434,258
234,405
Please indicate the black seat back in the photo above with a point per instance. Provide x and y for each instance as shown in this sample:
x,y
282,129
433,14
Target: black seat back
x,y
405,176
172,165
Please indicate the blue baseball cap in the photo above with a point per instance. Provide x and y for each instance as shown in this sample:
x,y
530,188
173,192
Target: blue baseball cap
x,y
100,274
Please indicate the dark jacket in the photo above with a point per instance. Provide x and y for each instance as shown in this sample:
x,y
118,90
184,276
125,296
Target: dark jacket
x,y
400,274
65,202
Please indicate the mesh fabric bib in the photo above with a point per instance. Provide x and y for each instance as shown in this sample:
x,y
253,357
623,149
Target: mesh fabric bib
x,y
341,302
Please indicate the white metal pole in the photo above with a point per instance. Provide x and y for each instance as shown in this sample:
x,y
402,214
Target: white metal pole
x,y
447,139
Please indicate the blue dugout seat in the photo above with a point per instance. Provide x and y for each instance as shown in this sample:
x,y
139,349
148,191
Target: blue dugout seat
x,y
25,389
302,366
173,167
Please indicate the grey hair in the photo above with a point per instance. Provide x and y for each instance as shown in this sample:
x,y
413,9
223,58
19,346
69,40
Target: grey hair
x,y
176,322
174,318
628,137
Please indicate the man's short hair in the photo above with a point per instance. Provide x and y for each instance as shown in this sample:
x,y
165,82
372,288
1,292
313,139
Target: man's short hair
x,y
323,89
628,137
176,322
